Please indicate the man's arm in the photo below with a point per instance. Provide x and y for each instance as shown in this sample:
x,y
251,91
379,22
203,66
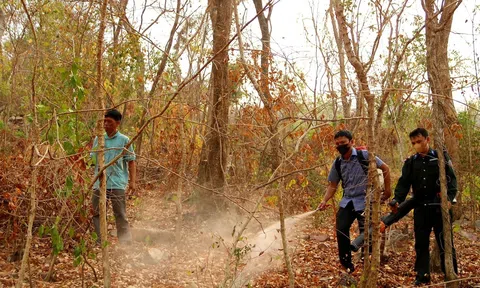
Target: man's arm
x,y
331,189
387,182
404,183
132,173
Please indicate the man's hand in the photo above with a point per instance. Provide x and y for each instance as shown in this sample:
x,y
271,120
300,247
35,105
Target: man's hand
x,y
393,206
382,227
322,206
132,187
386,195
132,174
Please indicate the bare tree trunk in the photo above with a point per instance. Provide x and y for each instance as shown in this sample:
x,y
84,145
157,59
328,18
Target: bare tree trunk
x,y
31,218
288,263
212,171
369,277
264,86
178,198
373,181
437,35
3,24
447,225
346,104
263,90
471,176
33,165
438,26
101,146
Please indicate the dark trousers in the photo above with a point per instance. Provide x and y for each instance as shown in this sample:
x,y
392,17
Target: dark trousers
x,y
117,197
425,219
345,218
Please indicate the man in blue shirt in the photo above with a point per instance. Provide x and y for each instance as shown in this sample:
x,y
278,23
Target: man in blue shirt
x,y
354,182
117,174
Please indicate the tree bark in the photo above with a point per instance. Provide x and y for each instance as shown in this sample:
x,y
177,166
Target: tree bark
x,y
471,175
264,86
370,273
438,26
178,198
439,124
101,146
33,165
437,33
346,104
212,168
3,25
276,146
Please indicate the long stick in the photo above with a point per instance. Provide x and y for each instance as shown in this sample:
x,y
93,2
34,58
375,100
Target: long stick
x,y
33,188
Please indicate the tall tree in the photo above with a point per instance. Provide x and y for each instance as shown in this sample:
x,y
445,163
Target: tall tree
x,y
276,146
3,23
438,23
214,151
33,166
101,145
346,103
369,278
383,16
263,90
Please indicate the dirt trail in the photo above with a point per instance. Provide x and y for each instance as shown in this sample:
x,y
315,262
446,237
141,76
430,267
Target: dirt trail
x,y
155,259
199,260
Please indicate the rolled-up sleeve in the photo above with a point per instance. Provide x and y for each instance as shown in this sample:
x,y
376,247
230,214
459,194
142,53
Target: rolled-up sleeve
x,y
378,161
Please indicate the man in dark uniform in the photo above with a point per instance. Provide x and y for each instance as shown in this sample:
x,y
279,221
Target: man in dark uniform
x,y
421,173
351,169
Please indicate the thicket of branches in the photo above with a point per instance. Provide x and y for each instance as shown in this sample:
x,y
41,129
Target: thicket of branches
x,y
213,108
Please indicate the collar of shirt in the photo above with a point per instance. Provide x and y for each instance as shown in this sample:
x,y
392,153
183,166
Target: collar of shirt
x,y
354,153
115,135
430,151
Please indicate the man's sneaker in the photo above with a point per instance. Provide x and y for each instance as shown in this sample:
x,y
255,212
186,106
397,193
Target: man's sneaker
x,y
425,279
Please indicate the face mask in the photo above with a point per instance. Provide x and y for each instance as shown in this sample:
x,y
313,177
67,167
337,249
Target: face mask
x,y
419,147
343,149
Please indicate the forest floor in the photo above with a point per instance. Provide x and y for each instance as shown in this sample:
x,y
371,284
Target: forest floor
x,y
155,259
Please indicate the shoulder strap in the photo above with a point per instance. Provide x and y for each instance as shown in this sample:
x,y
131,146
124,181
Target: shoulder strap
x,y
338,167
446,157
362,161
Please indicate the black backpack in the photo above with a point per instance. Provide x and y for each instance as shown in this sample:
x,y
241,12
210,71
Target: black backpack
x,y
361,159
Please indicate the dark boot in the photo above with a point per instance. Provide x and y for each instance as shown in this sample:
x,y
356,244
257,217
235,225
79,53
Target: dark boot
x,y
423,279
